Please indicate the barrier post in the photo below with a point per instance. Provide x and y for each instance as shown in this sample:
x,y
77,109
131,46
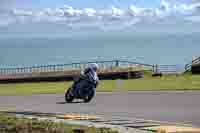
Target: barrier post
x,y
117,63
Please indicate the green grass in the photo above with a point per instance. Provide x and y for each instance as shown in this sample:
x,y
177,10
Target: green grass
x,y
148,83
11,124
34,88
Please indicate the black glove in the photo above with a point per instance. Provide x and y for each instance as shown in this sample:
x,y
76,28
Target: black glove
x,y
96,84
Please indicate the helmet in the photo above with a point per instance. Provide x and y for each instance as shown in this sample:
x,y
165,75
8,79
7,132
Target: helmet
x,y
94,66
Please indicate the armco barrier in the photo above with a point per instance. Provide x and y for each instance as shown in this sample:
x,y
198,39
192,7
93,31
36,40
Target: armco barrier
x,y
70,77
166,69
73,66
114,69
61,72
196,69
121,75
188,67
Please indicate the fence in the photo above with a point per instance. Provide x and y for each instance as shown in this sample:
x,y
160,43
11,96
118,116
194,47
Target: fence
x,y
63,69
166,69
189,65
73,66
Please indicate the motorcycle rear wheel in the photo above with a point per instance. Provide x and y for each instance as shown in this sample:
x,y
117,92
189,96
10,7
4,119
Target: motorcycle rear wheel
x,y
89,96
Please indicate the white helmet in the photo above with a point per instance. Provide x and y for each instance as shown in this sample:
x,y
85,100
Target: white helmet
x,y
94,66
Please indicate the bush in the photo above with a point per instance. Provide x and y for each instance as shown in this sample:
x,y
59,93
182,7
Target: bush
x,y
11,124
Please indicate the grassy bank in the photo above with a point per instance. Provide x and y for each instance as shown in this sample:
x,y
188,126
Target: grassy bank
x,y
169,82
11,124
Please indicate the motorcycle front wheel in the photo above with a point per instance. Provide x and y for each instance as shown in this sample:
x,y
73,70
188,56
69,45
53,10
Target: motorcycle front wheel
x,y
68,97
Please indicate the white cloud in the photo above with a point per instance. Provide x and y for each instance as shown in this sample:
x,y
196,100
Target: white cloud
x,y
89,12
113,17
117,12
165,6
20,12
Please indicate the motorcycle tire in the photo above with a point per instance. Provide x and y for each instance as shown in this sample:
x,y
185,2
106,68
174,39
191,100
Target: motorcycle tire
x,y
89,96
68,97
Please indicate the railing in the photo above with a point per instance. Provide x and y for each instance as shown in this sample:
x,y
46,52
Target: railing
x,y
189,65
166,69
60,69
73,66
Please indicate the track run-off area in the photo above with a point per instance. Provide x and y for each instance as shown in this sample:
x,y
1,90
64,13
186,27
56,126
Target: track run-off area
x,y
165,107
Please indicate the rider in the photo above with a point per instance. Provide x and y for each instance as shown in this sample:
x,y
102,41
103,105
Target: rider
x,y
89,75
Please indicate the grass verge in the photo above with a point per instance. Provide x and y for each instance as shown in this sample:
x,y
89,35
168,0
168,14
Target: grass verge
x,y
11,124
148,83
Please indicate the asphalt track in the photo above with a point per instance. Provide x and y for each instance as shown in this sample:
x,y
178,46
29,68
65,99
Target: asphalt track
x,y
175,107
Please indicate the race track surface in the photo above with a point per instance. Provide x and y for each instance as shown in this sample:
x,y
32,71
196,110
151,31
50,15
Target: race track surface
x,y
178,107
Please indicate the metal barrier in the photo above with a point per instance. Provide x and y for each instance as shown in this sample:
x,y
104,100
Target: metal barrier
x,y
61,69
166,69
189,65
70,67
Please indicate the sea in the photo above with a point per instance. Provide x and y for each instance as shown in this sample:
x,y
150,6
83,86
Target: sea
x,y
149,48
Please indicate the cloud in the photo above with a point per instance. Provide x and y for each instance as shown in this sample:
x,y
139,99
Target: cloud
x,y
20,12
165,8
169,11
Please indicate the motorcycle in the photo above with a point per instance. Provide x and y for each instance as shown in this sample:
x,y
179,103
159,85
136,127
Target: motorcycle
x,y
86,90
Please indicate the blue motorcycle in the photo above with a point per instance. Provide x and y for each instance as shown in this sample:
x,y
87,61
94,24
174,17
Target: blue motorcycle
x,y
81,89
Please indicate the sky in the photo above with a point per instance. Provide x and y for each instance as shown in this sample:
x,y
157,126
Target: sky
x,y
76,3
60,16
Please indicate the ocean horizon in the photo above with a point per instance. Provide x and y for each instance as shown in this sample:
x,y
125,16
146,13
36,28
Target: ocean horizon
x,y
178,49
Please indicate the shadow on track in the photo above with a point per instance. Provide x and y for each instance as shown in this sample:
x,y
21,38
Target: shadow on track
x,y
75,102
